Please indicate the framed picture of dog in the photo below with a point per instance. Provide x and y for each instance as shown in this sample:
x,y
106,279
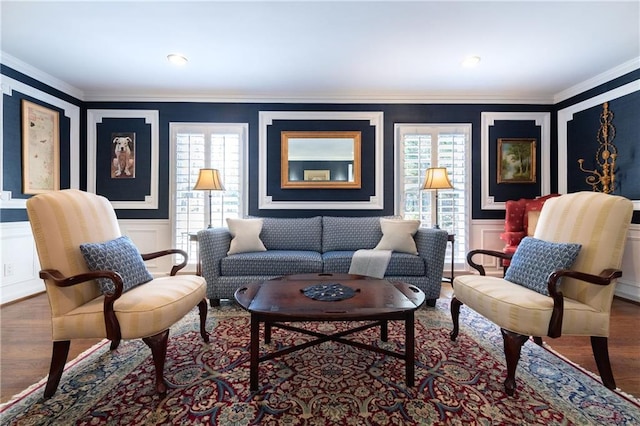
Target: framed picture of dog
x,y
40,149
123,158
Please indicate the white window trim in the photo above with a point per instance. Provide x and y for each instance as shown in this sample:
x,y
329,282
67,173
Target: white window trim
x,y
401,129
237,128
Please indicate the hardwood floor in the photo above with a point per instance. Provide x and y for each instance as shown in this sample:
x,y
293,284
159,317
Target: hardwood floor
x,y
25,345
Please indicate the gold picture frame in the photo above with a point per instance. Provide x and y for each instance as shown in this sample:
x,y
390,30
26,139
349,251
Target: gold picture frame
x,y
339,151
517,160
40,149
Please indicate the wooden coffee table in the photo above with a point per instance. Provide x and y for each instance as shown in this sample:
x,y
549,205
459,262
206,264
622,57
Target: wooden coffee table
x,y
281,301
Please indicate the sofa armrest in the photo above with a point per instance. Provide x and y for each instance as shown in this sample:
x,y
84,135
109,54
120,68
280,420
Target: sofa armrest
x,y
213,244
432,246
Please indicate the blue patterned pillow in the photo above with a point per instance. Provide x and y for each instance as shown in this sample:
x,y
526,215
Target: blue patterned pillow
x,y
535,259
119,255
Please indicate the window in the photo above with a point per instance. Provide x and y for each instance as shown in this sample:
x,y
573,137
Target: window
x,y
418,147
208,145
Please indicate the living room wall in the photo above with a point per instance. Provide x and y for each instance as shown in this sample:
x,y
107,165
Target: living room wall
x,y
626,111
571,138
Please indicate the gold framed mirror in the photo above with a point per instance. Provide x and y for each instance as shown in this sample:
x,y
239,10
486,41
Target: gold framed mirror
x,y
320,160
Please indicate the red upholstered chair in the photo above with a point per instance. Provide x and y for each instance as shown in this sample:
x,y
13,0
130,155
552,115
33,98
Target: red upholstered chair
x,y
520,221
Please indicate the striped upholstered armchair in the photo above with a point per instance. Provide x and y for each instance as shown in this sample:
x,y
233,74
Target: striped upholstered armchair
x,y
560,282
79,246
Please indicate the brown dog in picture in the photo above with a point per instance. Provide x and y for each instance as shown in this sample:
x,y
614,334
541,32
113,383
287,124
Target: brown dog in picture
x,y
123,160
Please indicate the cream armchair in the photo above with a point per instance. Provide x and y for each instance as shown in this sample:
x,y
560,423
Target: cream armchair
x,y
62,221
579,296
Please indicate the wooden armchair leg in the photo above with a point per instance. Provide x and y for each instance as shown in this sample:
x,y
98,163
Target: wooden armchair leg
x,y
158,345
202,306
455,315
600,346
58,360
512,346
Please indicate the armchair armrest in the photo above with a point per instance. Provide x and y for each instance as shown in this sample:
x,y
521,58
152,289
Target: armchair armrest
x,y
174,268
110,320
494,253
432,246
214,243
604,278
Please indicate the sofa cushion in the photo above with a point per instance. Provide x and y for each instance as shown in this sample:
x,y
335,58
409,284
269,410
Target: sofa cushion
x,y
400,264
245,235
397,235
350,233
535,259
292,233
119,255
271,262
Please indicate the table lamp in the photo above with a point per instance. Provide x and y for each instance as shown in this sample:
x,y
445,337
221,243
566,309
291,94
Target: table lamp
x,y
436,178
209,180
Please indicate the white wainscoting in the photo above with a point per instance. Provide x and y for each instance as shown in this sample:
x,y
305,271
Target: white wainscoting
x,y
629,284
19,261
21,280
485,234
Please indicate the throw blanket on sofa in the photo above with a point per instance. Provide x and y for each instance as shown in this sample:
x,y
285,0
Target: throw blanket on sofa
x,y
372,263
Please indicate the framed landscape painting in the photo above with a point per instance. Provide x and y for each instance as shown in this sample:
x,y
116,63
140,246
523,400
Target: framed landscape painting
x,y
516,160
40,149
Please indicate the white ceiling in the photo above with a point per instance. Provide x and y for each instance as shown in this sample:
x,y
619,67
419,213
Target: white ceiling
x,y
322,50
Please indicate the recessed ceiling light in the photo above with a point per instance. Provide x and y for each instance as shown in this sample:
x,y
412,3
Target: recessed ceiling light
x,y
470,61
177,59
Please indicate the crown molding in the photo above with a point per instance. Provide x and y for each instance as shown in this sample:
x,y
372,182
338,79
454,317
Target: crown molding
x,y
33,72
337,98
606,76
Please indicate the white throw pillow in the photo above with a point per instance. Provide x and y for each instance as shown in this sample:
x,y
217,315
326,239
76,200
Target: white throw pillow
x,y
397,235
245,235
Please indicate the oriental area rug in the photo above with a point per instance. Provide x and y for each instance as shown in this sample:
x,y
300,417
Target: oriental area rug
x,y
457,383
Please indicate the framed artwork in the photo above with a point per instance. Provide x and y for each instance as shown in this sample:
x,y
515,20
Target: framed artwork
x,y
339,150
40,149
516,160
317,175
123,155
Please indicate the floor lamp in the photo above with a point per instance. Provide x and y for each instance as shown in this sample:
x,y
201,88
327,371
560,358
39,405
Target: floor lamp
x,y
209,180
436,178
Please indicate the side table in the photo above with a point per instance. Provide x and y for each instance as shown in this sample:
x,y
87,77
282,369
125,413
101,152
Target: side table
x,y
452,239
193,237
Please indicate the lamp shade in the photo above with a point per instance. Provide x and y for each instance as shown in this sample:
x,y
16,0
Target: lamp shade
x,y
436,178
209,179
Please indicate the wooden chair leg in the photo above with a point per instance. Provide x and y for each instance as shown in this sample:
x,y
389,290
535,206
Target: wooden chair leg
x,y
202,306
512,346
537,340
158,345
455,315
58,360
600,346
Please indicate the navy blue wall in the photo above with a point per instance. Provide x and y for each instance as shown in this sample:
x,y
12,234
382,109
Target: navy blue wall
x,y
248,113
582,139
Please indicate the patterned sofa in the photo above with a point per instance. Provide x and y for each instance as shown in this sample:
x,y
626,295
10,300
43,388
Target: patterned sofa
x,y
313,245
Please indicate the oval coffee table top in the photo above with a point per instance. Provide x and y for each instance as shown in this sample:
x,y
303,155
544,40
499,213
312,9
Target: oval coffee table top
x,y
283,298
